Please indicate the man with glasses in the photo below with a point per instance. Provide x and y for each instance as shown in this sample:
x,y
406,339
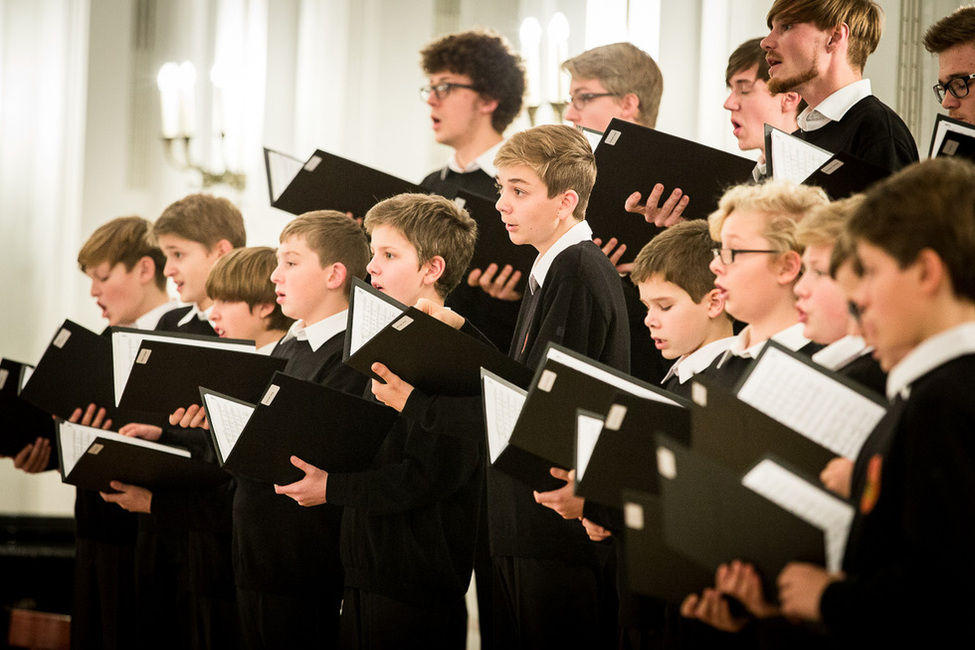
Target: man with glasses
x,y
818,49
953,39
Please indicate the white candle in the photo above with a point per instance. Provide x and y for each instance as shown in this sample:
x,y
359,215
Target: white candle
x,y
558,47
187,99
531,41
168,82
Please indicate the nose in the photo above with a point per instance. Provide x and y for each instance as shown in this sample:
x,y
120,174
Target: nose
x,y
276,275
372,268
650,319
502,204
731,103
432,99
716,266
801,290
169,270
572,115
949,101
767,43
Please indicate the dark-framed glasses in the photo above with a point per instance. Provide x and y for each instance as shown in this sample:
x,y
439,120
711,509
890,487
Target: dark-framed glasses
x,y
958,87
855,312
440,91
580,100
728,255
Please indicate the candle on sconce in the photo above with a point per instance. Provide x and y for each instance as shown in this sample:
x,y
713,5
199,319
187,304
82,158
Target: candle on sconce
x,y
558,49
531,40
187,98
218,80
168,82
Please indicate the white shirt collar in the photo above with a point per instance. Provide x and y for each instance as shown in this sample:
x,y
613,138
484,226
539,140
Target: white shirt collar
x,y
791,337
931,353
317,334
834,107
840,353
578,233
195,312
691,364
150,319
484,162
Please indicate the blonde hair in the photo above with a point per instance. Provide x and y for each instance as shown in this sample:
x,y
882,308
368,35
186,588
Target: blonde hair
x,y
335,238
434,226
561,157
244,275
623,68
782,203
123,240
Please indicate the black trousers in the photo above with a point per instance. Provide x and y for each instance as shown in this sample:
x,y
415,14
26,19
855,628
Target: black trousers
x,y
270,621
103,609
374,621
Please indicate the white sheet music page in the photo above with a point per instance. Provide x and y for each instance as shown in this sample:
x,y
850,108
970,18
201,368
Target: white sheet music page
x,y
811,403
794,159
227,420
606,377
281,170
588,429
370,315
125,348
77,439
502,405
808,502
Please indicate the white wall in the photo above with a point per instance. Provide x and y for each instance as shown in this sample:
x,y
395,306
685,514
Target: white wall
x,y
79,113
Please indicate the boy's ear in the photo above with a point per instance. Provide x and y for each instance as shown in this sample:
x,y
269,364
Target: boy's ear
x,y
567,206
435,269
223,247
145,268
839,35
337,275
629,107
487,105
789,267
932,272
789,101
264,310
715,301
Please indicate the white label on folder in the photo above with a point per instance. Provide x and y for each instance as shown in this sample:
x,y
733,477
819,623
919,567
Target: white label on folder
x,y
612,137
614,419
272,391
832,167
633,515
951,146
666,463
62,338
699,394
460,201
312,163
95,448
4,373
143,357
546,381
402,323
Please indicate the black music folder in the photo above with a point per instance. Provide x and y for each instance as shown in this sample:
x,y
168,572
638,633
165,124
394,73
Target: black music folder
x,y
92,458
711,517
652,567
423,351
330,429
564,382
838,174
493,243
21,423
633,158
503,401
168,375
779,407
74,371
952,137
620,453
330,182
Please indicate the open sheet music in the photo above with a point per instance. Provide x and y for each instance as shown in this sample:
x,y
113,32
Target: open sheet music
x,y
808,502
77,440
281,170
943,127
227,418
369,313
809,401
794,159
502,405
126,343
588,428
594,371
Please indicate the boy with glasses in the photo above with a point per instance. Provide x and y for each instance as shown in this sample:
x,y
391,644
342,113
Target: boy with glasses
x,y
953,39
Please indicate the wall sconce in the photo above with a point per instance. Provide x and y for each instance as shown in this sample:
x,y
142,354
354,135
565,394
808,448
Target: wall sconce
x,y
177,95
557,38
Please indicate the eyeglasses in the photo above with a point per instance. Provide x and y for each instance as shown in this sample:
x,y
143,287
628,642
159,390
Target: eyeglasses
x,y
581,100
855,312
440,91
728,255
958,87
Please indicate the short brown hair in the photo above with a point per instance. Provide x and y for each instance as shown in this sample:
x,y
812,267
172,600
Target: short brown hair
x,y
825,225
203,218
335,238
745,56
680,254
123,240
561,157
929,205
782,202
496,71
865,19
244,275
623,68
954,29
435,227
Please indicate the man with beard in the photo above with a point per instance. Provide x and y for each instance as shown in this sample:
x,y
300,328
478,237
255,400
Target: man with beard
x,y
818,48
